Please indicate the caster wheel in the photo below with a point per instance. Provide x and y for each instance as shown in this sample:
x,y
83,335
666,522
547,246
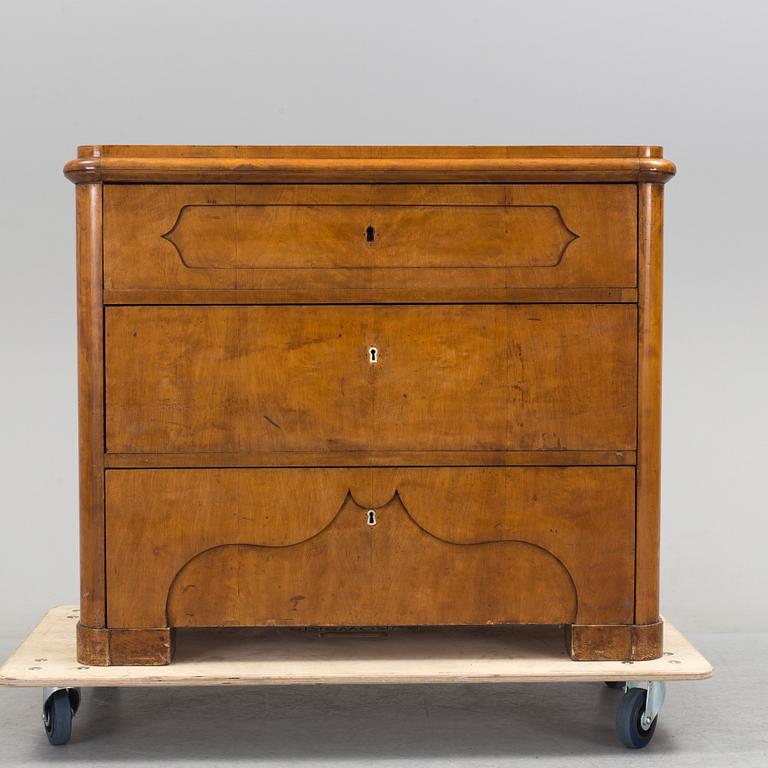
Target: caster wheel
x,y
631,729
58,710
614,683
74,699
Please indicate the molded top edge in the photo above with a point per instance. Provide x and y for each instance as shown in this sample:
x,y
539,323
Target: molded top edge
x,y
133,164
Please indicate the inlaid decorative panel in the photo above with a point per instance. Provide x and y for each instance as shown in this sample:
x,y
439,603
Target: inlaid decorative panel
x,y
359,236
353,546
275,243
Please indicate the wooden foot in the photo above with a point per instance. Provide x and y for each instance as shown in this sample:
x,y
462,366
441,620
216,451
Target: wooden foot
x,y
116,647
609,642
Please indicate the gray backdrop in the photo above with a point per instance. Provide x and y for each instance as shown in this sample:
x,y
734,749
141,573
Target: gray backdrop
x,y
688,75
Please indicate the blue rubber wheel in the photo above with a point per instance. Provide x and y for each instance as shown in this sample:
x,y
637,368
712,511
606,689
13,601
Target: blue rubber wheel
x,y
629,727
57,717
74,699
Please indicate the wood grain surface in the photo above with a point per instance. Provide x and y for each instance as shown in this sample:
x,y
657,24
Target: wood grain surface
x,y
90,378
134,647
549,458
649,404
447,378
276,343
296,547
282,240
235,164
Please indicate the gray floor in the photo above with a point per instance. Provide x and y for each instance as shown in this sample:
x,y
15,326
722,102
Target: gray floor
x,y
719,722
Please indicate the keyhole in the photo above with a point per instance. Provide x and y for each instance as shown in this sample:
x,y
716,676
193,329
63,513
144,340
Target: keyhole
x,y
371,517
370,234
373,355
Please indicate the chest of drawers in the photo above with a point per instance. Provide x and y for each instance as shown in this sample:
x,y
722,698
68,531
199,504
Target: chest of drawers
x,y
390,386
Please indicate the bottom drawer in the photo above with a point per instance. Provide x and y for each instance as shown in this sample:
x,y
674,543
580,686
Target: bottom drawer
x,y
336,547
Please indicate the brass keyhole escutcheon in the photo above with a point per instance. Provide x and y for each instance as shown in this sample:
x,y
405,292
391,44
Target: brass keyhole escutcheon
x,y
373,355
371,517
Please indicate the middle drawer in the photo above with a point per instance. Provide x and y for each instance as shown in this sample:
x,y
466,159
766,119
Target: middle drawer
x,y
187,379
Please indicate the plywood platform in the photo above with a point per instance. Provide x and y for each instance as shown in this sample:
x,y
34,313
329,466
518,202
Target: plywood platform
x,y
284,657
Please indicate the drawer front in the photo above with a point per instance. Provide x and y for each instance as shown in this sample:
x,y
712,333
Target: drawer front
x,y
354,378
256,547
328,240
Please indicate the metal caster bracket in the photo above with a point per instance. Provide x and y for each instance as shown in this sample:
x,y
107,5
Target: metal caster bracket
x,y
74,697
656,692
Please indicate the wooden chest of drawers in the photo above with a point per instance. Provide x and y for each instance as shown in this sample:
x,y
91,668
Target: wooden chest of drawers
x,y
341,386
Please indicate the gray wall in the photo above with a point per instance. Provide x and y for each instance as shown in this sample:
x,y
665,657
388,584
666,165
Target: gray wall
x,y
688,75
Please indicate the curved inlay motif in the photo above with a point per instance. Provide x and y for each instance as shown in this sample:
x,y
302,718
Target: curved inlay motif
x,y
361,236
393,572
428,545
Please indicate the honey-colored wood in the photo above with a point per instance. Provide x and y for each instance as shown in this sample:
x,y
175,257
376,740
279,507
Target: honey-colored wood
x,y
91,403
295,547
231,379
551,458
342,171
506,438
441,292
119,647
482,240
368,164
246,236
649,403
633,642
522,654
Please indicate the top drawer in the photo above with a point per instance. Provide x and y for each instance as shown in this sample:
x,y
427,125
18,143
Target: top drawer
x,y
275,243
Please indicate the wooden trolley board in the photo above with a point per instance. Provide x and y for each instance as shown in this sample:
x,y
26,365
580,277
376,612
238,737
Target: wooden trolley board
x,y
284,657
509,654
